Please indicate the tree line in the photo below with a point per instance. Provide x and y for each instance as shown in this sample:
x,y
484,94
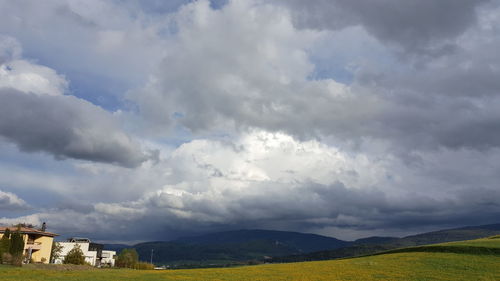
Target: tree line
x,y
12,248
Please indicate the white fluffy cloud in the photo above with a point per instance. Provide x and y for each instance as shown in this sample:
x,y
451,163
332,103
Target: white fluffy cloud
x,y
90,39
10,202
36,115
31,78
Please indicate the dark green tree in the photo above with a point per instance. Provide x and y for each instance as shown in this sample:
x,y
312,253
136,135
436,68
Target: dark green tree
x,y
127,258
5,244
75,256
16,247
16,243
6,233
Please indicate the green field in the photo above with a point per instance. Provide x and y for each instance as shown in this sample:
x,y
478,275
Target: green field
x,y
491,242
485,246
429,264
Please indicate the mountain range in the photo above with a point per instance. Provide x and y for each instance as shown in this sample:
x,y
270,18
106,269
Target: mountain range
x,y
244,246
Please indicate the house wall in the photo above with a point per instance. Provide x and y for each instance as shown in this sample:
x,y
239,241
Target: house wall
x,y
44,252
90,256
108,257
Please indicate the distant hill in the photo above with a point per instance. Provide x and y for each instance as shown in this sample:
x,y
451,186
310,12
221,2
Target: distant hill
x,y
371,245
449,235
234,247
178,253
300,242
375,240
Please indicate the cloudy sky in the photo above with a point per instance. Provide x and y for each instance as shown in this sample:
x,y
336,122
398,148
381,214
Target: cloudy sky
x,y
128,120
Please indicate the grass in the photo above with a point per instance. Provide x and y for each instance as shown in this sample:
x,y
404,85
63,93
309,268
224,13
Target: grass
x,y
484,246
490,242
412,265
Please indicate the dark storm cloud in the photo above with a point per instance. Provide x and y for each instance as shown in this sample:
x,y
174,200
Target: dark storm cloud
x,y
66,127
304,207
419,26
316,205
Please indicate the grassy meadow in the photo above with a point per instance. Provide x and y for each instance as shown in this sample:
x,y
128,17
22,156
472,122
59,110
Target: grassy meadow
x,y
413,265
490,242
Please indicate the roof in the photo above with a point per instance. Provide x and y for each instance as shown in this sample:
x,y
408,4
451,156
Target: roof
x,y
27,230
78,239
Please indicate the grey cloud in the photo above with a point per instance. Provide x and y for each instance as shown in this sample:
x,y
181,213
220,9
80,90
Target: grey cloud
x,y
320,206
470,72
451,102
414,108
437,123
244,83
155,7
308,206
343,207
9,49
419,26
66,127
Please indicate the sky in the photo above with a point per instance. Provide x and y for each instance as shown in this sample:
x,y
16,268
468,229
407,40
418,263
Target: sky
x,y
128,120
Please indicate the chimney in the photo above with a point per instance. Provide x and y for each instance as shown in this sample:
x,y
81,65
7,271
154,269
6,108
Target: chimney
x,y
44,226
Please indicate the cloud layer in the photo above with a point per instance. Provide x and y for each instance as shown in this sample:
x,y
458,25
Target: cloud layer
x,y
270,180
344,118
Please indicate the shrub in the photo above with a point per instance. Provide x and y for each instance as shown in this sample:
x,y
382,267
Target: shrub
x,y
144,266
17,260
6,258
127,258
75,256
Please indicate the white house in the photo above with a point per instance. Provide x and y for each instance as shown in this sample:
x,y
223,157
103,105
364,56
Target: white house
x,y
93,252
108,258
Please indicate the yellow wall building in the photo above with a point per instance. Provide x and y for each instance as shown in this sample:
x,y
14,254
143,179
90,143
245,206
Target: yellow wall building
x,y
37,243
